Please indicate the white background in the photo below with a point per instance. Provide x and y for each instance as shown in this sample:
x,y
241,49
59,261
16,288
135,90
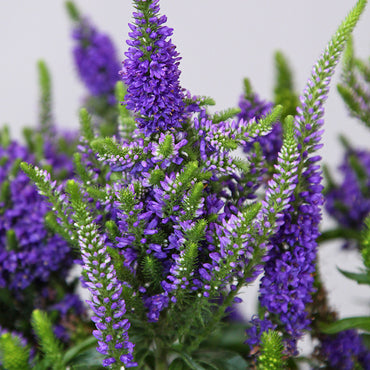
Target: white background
x,y
220,42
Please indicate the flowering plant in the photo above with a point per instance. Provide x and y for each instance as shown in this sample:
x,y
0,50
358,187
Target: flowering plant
x,y
170,211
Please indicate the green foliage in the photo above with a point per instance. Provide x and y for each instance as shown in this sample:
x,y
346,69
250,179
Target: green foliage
x,y
28,135
165,149
353,87
156,176
284,91
45,117
196,233
152,270
126,122
35,141
360,278
248,91
225,115
112,229
264,124
192,202
4,137
49,344
365,242
75,356
284,172
5,193
284,76
109,147
271,357
202,101
359,322
11,240
127,200
317,88
86,126
219,360
250,212
73,11
13,355
81,169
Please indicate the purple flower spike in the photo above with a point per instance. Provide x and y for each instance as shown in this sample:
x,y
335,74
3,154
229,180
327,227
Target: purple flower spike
x,y
349,202
151,72
106,290
96,60
287,285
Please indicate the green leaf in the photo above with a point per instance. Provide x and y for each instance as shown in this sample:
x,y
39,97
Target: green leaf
x,y
248,90
365,243
194,365
366,340
4,137
361,278
225,115
108,146
77,349
228,337
11,240
221,360
166,147
45,115
284,92
86,125
178,364
5,193
360,322
73,11
13,356
338,233
271,356
126,121
284,78
202,101
50,345
89,359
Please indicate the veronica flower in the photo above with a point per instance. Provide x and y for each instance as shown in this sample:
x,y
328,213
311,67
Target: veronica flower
x,y
345,350
100,278
287,284
29,253
349,202
96,60
151,72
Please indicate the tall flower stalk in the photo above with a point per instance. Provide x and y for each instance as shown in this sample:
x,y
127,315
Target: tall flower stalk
x,y
151,71
287,285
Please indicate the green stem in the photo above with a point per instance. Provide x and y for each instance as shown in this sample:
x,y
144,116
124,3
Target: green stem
x,y
215,320
160,357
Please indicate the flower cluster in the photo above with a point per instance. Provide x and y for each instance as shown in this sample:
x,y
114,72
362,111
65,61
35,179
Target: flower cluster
x,y
96,60
151,71
344,350
349,202
29,253
288,283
